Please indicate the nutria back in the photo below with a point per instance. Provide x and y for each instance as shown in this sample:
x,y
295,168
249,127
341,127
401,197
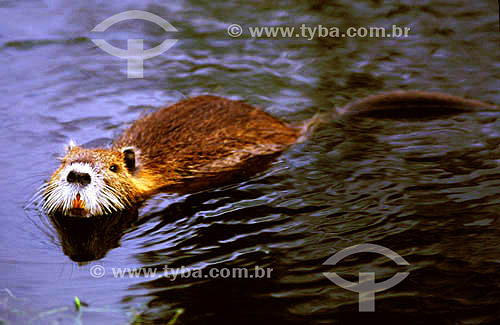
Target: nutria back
x,y
204,141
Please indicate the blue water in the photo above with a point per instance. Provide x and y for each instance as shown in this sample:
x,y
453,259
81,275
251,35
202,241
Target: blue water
x,y
428,189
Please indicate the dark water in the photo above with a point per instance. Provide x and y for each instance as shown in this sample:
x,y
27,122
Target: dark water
x,y
427,189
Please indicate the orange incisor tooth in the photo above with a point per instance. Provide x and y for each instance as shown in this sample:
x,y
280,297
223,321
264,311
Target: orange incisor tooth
x,y
77,203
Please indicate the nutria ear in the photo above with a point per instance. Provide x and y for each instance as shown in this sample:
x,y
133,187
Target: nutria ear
x,y
129,158
70,145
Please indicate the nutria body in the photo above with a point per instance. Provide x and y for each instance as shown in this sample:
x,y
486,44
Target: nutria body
x,y
196,144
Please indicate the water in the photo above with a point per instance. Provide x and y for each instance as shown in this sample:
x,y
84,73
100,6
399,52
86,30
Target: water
x,y
427,189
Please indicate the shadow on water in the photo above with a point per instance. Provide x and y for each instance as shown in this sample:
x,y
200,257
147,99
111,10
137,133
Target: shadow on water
x,y
88,239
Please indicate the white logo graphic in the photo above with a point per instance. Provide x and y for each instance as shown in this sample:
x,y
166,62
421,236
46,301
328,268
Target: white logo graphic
x,y
366,286
234,30
97,271
135,53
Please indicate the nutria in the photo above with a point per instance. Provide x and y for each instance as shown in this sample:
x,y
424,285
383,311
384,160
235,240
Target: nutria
x,y
193,145
197,143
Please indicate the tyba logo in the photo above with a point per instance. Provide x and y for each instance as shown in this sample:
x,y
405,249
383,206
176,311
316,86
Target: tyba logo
x,y
135,53
366,287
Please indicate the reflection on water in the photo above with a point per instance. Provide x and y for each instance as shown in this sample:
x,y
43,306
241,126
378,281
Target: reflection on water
x,y
89,239
425,188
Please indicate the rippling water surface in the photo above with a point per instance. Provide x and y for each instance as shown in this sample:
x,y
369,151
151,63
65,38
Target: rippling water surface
x,y
428,188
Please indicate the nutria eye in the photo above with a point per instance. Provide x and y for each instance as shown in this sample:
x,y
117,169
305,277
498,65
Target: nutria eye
x,y
113,168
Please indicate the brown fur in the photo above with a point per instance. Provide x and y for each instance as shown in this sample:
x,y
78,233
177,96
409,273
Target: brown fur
x,y
195,144
202,142
209,141
102,159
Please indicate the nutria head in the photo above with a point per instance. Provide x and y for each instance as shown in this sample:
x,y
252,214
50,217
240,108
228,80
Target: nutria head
x,y
92,182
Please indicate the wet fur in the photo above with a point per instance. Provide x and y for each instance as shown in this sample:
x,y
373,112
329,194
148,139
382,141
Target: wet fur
x,y
209,141
193,145
204,141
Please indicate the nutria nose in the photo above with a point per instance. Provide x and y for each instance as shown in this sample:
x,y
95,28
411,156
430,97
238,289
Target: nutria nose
x,y
77,177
